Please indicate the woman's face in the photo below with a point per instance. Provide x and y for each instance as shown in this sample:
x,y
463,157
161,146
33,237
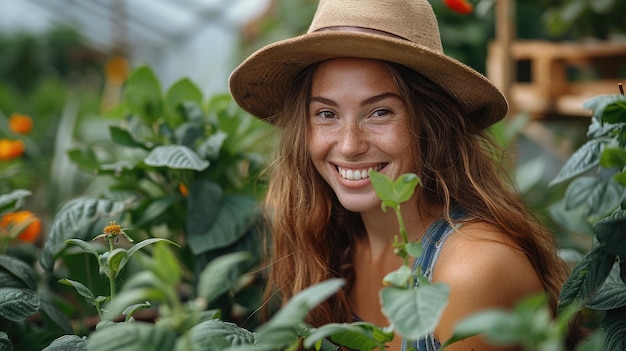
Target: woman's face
x,y
358,122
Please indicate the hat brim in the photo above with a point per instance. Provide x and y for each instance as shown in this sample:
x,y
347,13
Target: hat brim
x,y
259,84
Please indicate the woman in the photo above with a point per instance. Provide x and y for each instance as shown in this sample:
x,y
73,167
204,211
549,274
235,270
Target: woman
x,y
369,88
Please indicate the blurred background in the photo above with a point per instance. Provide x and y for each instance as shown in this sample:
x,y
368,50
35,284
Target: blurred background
x,y
63,63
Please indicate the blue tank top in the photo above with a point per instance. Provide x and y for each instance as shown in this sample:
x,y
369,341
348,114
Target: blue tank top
x,y
432,242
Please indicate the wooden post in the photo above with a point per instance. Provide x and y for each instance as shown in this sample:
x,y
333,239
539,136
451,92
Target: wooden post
x,y
505,35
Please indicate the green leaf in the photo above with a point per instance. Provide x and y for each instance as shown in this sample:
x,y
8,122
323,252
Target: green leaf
x,y
85,246
142,94
599,103
85,158
393,193
123,137
114,259
166,268
598,196
583,159
157,206
398,278
81,289
479,323
175,157
592,343
414,249
21,274
613,157
50,310
614,328
611,295
296,309
355,336
210,148
611,232
182,91
415,312
140,245
214,221
18,304
13,200
68,343
132,337
214,335
81,218
5,343
128,312
140,288
586,278
220,275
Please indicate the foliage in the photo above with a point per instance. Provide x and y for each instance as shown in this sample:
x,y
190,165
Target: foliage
x,y
584,18
596,192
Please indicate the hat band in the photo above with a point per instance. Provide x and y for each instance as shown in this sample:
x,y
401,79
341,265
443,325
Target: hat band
x,y
358,29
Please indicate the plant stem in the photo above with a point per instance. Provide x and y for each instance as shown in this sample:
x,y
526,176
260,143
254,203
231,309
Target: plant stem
x,y
110,239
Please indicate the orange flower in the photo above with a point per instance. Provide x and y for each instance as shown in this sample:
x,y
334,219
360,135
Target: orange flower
x,y
20,124
463,7
116,70
10,149
28,234
183,189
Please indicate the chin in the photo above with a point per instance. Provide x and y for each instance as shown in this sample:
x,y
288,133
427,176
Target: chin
x,y
361,204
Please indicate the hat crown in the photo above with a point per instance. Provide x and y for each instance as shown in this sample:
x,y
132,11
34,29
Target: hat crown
x,y
412,20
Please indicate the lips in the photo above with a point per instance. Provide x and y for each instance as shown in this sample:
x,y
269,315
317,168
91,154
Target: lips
x,y
358,174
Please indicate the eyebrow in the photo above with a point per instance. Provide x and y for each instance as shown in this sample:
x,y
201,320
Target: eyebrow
x,y
370,100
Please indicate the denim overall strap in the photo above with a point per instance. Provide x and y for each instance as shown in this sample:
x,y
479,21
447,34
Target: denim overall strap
x,y
432,242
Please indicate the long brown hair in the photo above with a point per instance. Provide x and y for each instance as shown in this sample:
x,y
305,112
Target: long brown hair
x,y
312,234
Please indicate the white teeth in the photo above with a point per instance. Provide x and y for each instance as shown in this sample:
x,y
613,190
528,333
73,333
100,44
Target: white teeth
x,y
352,174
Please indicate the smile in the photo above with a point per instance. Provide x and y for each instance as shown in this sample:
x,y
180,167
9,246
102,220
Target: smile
x,y
358,174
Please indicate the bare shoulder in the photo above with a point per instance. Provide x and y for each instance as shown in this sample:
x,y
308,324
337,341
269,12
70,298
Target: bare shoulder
x,y
484,269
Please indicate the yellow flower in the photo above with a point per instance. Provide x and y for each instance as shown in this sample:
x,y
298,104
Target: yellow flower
x,y
10,149
30,233
112,231
20,124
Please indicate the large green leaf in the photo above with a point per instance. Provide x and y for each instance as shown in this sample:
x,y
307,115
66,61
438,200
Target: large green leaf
x,y
52,312
18,304
13,200
68,343
81,218
611,295
293,313
415,312
214,335
182,91
21,274
355,336
586,278
123,137
132,337
211,227
611,232
142,94
583,159
220,275
614,328
598,196
175,157
608,108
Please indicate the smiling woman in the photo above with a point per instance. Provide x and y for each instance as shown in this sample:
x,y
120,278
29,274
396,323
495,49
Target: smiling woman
x,y
369,88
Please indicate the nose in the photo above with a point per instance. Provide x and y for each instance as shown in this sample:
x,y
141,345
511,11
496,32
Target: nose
x,y
352,141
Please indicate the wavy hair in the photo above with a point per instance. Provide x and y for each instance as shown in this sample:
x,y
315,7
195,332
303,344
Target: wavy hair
x,y
312,234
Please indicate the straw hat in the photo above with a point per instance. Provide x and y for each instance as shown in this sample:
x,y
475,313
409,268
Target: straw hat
x,y
400,31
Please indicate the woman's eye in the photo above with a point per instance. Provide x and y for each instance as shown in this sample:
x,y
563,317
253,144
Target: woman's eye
x,y
326,114
380,113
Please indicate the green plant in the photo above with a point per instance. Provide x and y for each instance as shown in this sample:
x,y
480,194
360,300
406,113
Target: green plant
x,y
29,317
596,195
175,167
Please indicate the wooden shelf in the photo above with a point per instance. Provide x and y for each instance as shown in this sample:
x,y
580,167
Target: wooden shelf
x,y
550,91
